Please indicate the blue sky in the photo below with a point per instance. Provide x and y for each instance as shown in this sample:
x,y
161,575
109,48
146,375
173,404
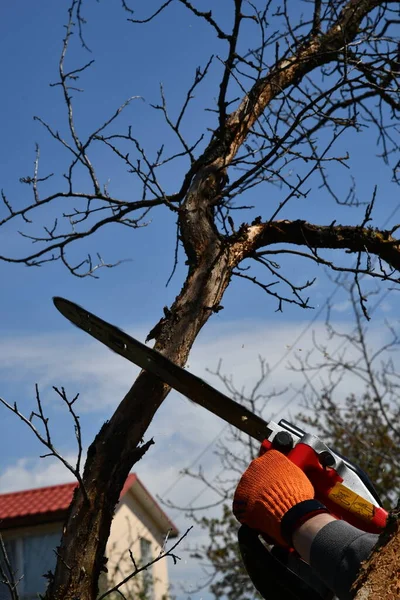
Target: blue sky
x,y
36,343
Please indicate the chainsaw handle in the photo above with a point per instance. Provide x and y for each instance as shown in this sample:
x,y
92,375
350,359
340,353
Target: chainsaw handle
x,y
329,489
341,501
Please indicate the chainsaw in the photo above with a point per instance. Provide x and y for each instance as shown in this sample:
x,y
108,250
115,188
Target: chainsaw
x,y
339,484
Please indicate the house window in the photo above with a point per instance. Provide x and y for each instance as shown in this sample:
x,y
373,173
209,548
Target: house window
x,y
30,557
147,575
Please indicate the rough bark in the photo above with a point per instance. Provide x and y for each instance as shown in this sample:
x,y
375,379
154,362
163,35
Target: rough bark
x,y
118,445
317,51
379,578
351,238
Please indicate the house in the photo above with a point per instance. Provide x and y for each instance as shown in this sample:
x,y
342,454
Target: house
x,y
31,523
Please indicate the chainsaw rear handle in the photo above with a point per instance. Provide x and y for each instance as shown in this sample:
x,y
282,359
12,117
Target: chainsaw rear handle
x,y
271,571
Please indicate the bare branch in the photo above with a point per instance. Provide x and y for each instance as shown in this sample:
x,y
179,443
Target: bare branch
x,y
7,574
148,19
137,570
351,238
207,16
45,438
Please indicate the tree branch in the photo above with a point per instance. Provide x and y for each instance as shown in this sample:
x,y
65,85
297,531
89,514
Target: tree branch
x,y
300,233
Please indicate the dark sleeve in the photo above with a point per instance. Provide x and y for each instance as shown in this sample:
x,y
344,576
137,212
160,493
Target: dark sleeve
x,y
337,553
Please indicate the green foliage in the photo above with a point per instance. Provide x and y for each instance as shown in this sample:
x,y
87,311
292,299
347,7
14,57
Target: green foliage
x,y
363,427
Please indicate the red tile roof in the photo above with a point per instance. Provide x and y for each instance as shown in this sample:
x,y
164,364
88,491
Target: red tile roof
x,y
47,501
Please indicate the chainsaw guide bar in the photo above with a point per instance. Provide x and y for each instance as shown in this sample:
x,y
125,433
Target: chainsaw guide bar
x,y
155,363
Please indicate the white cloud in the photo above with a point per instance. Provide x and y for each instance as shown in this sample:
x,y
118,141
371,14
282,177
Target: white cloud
x,y
385,306
27,473
103,377
71,360
181,429
343,306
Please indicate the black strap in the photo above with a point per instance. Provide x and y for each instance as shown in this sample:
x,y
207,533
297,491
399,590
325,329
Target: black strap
x,y
299,514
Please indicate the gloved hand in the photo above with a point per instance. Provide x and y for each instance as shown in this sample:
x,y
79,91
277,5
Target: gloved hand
x,y
270,487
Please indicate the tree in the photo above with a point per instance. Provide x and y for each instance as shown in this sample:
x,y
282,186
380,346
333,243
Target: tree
x,y
362,426
282,104
366,430
225,574
365,426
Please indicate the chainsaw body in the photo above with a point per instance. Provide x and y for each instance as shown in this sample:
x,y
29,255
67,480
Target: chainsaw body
x,y
340,485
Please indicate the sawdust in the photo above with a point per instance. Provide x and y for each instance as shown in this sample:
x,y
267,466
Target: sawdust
x,y
379,578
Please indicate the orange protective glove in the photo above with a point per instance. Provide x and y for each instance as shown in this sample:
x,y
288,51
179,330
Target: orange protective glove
x,y
270,486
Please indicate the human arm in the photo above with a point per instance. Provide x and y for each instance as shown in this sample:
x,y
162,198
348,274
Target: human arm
x,y
336,552
305,535
275,492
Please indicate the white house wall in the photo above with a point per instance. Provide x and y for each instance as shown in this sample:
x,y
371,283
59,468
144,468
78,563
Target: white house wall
x,y
132,522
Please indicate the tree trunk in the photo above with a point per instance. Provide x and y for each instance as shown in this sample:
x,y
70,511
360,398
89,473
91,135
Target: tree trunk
x,y
211,258
119,444
379,577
